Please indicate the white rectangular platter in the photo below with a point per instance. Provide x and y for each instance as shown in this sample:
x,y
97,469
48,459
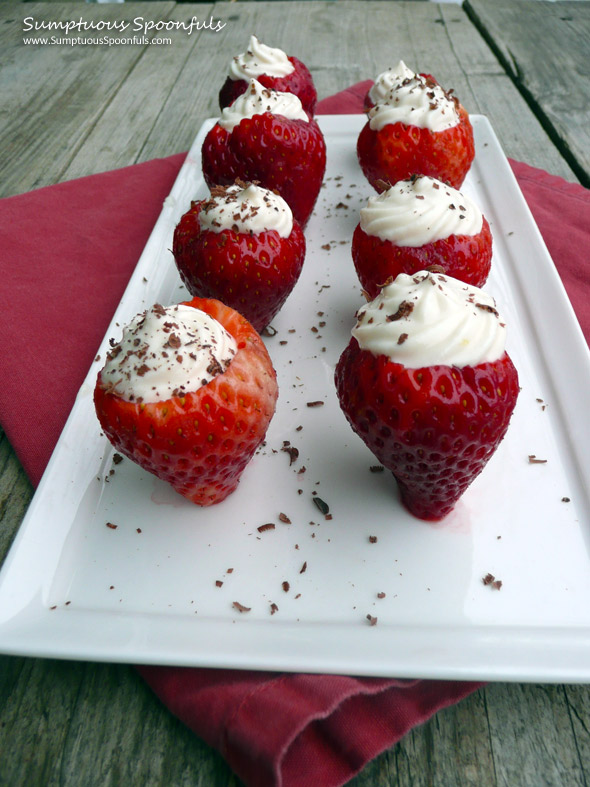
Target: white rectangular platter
x,y
159,588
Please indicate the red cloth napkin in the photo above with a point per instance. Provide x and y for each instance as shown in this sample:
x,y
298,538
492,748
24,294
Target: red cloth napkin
x,y
66,254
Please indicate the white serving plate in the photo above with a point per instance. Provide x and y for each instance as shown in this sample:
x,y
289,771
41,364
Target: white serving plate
x,y
73,588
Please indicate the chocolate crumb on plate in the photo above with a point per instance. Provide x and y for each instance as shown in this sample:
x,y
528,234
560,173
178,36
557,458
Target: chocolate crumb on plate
x,y
322,506
267,526
372,620
273,608
240,607
285,585
112,526
284,518
373,539
291,450
534,461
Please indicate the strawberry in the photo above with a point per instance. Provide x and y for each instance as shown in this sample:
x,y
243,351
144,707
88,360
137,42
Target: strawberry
x,y
299,82
434,426
197,438
247,266
418,212
464,257
398,150
282,154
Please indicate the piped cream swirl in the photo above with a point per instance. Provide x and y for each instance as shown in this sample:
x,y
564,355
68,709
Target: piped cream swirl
x,y
260,59
429,319
418,211
415,101
258,99
246,208
389,79
167,352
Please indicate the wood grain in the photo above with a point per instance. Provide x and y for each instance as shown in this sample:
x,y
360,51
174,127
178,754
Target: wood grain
x,y
545,49
67,112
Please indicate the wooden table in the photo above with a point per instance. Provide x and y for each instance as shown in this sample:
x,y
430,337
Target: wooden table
x,y
72,111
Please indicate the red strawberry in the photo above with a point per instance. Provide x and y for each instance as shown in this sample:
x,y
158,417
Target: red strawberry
x,y
435,427
283,155
398,151
408,212
253,272
464,257
200,440
299,82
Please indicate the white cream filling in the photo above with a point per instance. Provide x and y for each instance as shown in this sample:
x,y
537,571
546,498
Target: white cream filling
x,y
260,59
258,99
429,319
167,352
418,211
246,208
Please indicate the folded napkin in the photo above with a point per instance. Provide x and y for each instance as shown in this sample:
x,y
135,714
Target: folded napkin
x,y
66,254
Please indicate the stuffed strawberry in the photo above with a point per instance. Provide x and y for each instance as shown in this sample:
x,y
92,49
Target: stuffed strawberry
x,y
243,247
273,69
188,393
267,137
416,224
428,386
418,129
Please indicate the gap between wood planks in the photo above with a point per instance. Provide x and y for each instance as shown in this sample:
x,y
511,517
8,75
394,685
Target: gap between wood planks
x,y
513,72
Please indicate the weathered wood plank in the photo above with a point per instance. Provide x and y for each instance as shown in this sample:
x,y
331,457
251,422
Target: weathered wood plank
x,y
544,47
119,135
61,92
531,735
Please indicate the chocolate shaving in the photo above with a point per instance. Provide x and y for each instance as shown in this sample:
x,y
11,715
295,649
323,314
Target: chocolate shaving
x,y
214,368
484,307
291,450
240,607
284,518
112,526
317,403
268,526
534,461
404,310
321,505
303,568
